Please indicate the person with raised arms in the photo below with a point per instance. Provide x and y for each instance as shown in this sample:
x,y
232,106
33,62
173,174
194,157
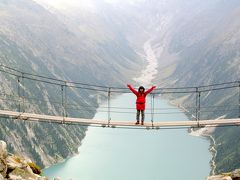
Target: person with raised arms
x,y
140,101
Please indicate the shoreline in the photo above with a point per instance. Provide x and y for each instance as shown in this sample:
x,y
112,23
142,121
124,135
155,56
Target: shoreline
x,y
202,132
206,132
213,150
64,160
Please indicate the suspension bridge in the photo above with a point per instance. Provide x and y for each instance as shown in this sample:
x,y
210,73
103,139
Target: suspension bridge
x,y
30,92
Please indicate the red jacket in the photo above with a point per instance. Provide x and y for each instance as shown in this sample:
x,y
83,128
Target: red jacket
x,y
141,97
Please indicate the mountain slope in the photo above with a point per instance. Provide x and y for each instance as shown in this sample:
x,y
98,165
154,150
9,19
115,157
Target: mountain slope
x,y
35,40
195,42
203,49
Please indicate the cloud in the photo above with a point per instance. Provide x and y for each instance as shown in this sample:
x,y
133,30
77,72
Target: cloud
x,y
68,4
87,4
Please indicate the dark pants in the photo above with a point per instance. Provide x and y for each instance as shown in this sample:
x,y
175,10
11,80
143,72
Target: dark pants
x,y
142,114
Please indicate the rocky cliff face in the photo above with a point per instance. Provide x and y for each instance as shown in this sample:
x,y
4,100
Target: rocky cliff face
x,y
234,175
17,167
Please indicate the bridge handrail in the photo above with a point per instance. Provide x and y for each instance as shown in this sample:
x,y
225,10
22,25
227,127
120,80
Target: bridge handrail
x,y
55,81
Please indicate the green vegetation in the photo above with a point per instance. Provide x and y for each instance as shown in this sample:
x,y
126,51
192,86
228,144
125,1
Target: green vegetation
x,y
35,168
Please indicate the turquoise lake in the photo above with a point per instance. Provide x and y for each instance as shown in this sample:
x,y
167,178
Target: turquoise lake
x,y
123,154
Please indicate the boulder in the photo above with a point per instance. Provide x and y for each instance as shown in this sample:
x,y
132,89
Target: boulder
x,y
3,168
15,162
3,150
219,177
2,165
236,174
1,177
17,167
20,174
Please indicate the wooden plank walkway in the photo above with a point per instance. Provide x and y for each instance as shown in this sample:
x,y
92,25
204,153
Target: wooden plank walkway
x,y
113,123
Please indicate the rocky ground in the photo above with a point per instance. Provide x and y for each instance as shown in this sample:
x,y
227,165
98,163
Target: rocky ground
x,y
234,175
13,167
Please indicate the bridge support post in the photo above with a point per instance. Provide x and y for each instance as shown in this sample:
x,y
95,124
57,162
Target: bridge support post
x,y
23,93
152,109
239,99
198,104
19,93
109,106
64,98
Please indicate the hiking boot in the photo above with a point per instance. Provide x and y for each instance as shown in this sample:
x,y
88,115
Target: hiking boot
x,y
137,122
142,122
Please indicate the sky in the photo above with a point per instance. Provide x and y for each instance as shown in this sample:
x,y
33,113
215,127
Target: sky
x,y
88,4
67,4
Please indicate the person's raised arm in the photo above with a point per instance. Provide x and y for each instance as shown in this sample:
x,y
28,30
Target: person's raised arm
x,y
132,89
150,90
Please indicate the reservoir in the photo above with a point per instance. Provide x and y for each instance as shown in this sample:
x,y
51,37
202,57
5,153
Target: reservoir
x,y
130,154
